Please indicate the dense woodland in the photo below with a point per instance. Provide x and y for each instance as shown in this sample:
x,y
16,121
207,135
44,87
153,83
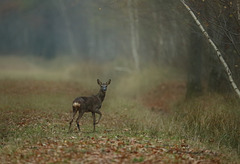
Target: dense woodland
x,y
141,31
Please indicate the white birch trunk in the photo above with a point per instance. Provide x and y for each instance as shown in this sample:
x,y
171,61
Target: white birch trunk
x,y
136,24
215,48
133,36
69,32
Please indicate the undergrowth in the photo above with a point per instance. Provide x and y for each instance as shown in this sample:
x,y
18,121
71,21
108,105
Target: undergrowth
x,y
212,119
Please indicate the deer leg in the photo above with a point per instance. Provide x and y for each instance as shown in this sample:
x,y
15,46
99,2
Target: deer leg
x,y
74,113
79,117
100,115
94,121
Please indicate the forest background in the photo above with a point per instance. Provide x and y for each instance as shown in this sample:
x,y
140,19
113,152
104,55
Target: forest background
x,y
153,51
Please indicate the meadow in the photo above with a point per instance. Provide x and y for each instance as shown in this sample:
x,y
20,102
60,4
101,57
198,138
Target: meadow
x,y
145,116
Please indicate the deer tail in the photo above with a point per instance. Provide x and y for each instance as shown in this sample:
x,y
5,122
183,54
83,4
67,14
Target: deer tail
x,y
76,104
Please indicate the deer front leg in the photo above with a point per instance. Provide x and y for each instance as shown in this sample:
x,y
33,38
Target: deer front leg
x,y
94,121
74,113
100,115
79,117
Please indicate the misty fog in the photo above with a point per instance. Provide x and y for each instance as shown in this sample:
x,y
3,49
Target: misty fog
x,y
174,70
93,30
130,34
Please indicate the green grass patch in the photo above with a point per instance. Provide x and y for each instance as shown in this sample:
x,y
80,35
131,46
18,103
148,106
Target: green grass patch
x,y
35,110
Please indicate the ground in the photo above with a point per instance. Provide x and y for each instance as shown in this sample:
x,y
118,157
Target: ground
x,y
35,116
164,95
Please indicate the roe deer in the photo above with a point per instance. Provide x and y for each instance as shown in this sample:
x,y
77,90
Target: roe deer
x,y
89,104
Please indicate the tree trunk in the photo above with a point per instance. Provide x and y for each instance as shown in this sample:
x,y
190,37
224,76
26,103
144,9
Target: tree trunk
x,y
132,13
70,36
194,83
238,9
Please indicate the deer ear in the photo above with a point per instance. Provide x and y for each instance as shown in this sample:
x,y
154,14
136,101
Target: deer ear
x,y
109,81
99,82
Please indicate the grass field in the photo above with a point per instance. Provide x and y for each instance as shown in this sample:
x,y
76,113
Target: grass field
x,y
138,125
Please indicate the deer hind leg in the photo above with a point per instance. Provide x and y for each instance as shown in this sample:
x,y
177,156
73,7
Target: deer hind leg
x,y
74,113
94,121
100,115
79,117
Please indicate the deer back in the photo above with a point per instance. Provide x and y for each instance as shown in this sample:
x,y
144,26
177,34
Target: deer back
x,y
89,104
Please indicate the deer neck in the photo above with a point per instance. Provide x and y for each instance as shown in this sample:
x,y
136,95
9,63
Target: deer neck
x,y
101,95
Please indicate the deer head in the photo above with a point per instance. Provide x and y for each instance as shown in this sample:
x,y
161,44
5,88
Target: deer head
x,y
103,86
